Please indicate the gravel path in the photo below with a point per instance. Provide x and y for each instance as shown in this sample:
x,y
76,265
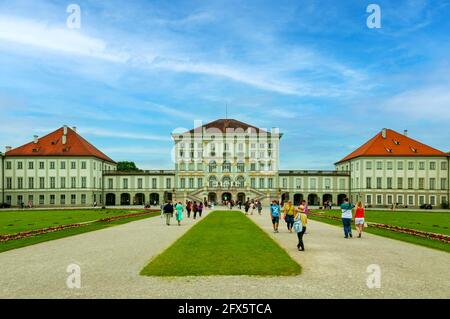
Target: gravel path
x,y
333,267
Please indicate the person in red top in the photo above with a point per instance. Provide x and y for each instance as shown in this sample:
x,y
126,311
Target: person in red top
x,y
359,218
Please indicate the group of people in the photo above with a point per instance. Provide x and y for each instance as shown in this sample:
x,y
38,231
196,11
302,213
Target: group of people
x,y
347,216
252,205
295,217
168,210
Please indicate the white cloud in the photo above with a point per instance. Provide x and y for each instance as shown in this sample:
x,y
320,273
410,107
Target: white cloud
x,y
189,20
430,103
270,70
171,111
120,134
138,150
42,35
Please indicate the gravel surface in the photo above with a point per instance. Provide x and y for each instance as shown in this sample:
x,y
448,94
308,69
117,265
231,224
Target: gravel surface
x,y
333,267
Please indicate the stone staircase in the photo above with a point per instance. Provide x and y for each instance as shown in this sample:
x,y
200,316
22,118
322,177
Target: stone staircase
x,y
198,194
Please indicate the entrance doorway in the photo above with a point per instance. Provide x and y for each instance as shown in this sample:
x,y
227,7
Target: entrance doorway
x,y
212,198
226,197
298,199
241,197
110,199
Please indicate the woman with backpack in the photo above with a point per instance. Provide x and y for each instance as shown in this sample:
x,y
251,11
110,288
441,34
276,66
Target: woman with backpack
x,y
301,220
289,212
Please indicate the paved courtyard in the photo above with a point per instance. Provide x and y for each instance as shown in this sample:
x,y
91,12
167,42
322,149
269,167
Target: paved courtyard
x,y
333,267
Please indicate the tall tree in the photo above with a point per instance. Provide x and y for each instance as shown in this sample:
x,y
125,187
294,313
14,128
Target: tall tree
x,y
126,166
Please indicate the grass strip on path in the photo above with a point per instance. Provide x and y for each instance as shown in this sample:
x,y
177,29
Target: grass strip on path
x,y
224,243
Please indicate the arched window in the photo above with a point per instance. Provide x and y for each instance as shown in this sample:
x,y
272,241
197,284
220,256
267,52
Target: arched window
x,y
226,167
240,181
226,181
212,166
212,181
241,167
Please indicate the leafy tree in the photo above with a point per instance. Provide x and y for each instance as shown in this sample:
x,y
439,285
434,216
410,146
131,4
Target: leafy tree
x,y
126,166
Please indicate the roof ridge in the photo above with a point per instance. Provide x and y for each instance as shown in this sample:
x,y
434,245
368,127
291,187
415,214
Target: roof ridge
x,y
380,145
75,145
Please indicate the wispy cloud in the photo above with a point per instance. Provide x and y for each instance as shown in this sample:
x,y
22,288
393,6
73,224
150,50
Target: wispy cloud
x,y
43,35
259,74
430,103
124,135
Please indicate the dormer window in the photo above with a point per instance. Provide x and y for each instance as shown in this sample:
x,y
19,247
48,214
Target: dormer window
x,y
389,150
396,142
413,149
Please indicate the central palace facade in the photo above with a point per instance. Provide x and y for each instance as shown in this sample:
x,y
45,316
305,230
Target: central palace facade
x,y
223,160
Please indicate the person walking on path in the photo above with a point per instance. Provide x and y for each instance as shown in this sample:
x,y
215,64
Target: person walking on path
x,y
200,209
301,220
259,206
303,208
246,207
346,208
168,212
162,209
195,209
252,207
179,211
188,209
359,218
275,215
289,211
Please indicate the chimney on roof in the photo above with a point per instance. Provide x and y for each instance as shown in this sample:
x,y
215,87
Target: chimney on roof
x,y
35,139
383,133
65,130
74,128
64,139
405,132
8,148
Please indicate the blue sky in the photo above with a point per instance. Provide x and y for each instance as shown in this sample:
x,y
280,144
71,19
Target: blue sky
x,y
134,72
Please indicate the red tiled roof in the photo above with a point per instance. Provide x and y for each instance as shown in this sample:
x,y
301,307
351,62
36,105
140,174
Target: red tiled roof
x,y
395,144
51,145
224,124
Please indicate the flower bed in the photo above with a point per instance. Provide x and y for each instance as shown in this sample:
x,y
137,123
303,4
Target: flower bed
x,y
108,219
37,232
414,232
42,231
441,237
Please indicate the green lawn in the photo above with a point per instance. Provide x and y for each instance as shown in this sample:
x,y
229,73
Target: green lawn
x,y
29,220
436,222
16,221
224,243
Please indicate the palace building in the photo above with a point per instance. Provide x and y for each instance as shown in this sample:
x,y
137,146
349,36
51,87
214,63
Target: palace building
x,y
219,161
